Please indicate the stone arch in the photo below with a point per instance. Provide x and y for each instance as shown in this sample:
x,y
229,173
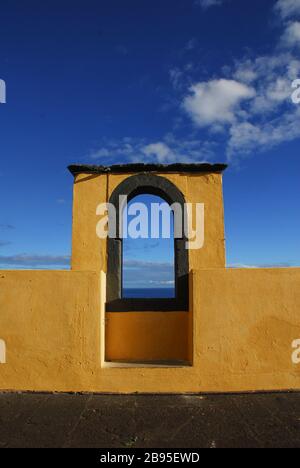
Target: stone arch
x,y
162,187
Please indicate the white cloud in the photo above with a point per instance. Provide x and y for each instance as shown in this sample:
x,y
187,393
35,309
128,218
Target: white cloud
x,y
249,104
246,137
272,118
160,151
272,77
245,74
143,273
7,226
25,261
162,283
146,264
167,150
216,101
191,44
4,243
288,8
255,110
266,265
279,90
208,3
291,35
176,77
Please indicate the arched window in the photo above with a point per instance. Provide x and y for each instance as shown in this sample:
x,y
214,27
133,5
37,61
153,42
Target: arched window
x,y
147,185
148,252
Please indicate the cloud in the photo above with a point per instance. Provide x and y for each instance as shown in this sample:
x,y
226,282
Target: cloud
x,y
291,35
176,77
25,261
205,4
145,264
146,247
287,8
246,137
160,151
216,101
252,104
266,265
272,77
4,243
241,265
122,50
247,104
7,226
139,273
167,150
163,283
270,116
191,44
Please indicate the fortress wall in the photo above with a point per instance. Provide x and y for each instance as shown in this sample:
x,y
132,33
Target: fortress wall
x,y
245,322
49,321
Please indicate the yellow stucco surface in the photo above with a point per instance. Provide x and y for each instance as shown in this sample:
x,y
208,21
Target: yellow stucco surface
x,y
49,322
89,252
147,336
131,336
237,335
244,324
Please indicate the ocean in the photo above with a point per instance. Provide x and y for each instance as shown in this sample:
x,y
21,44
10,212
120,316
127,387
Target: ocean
x,y
147,293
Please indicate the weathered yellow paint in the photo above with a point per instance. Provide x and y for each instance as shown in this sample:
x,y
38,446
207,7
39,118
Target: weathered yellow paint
x,y
123,339
147,336
244,324
89,252
50,323
237,335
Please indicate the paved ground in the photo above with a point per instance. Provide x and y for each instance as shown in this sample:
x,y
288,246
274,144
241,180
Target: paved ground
x,y
152,421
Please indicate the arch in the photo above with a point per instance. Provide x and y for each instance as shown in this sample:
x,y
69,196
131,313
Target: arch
x,y
162,187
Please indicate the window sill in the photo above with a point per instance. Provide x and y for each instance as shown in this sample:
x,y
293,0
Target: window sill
x,y
146,365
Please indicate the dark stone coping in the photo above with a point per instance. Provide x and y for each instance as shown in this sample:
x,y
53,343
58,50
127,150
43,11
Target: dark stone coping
x,y
76,169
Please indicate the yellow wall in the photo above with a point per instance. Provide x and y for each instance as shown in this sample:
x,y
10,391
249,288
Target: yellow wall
x,y
244,325
89,252
49,322
238,334
147,336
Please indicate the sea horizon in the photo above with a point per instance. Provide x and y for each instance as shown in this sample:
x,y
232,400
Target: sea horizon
x,y
148,293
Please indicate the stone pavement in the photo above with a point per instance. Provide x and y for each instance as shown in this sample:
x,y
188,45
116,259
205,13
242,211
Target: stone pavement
x,y
149,421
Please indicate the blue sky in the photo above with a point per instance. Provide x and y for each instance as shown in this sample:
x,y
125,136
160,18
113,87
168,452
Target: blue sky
x,y
104,81
148,262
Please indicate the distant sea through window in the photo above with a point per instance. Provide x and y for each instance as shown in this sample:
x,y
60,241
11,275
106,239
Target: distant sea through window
x,y
148,293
